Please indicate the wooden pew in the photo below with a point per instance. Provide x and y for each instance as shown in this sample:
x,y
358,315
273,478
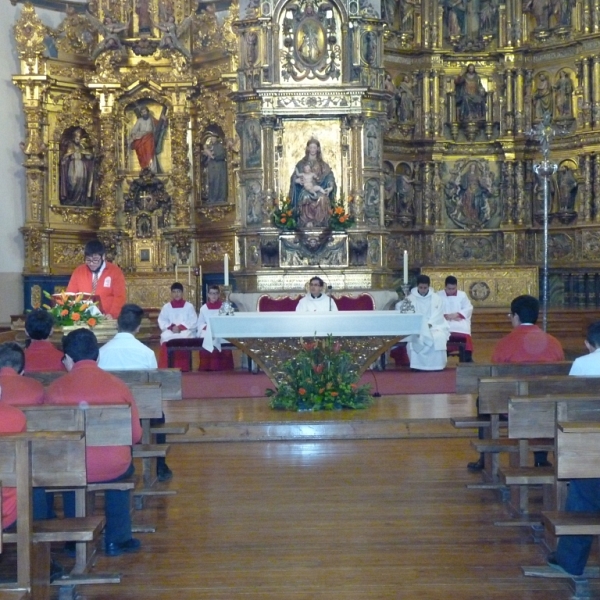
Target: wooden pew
x,y
44,459
494,393
577,457
469,374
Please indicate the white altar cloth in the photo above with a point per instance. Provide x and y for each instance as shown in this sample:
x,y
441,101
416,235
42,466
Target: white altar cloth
x,y
350,323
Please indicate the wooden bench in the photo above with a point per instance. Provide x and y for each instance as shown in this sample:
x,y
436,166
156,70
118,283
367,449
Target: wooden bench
x,y
45,459
577,457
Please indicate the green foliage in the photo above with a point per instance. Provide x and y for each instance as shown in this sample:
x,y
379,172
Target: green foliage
x,y
320,377
339,219
283,217
71,309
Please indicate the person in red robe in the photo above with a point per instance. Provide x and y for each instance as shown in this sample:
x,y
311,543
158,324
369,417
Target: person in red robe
x,y
41,354
110,285
217,360
526,343
17,389
85,382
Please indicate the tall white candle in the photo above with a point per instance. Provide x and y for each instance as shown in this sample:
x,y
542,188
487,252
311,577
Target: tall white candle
x,y
405,267
189,275
226,269
176,276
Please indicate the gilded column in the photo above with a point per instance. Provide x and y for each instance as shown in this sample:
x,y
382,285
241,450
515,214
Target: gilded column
x,y
596,194
586,108
107,191
509,116
520,101
584,208
182,185
426,105
436,117
268,127
428,213
596,90
596,16
519,218
356,184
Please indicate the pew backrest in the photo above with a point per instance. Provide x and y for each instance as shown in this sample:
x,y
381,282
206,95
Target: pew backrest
x,y
577,450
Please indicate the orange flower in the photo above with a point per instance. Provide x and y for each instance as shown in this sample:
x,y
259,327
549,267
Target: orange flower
x,y
339,210
353,386
58,301
283,219
302,391
342,219
92,322
64,312
289,213
334,394
76,316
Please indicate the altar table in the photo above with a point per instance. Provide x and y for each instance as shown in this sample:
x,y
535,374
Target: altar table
x,y
274,337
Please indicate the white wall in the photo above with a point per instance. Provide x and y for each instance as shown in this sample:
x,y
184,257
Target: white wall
x,y
12,174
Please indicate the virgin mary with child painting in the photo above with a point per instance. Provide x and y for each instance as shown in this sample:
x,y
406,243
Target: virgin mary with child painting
x,y
312,188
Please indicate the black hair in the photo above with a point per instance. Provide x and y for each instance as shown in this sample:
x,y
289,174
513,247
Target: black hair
x,y
177,286
94,247
321,282
12,355
526,307
39,324
216,288
593,334
80,344
130,318
451,280
423,279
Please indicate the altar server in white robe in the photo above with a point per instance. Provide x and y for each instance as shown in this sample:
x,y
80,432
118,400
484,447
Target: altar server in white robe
x,y
178,318
316,300
457,311
427,350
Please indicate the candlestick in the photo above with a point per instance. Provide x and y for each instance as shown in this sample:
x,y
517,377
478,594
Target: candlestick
x,y
176,275
405,267
226,269
189,275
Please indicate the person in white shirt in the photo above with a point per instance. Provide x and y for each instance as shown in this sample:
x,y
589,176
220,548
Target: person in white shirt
x,y
177,318
589,364
125,352
427,350
316,300
458,311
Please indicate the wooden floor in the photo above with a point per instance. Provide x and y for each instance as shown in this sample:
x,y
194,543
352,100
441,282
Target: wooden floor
x,y
312,520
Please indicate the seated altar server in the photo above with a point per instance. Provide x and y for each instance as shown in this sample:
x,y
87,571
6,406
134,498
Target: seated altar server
x,y
457,312
177,320
41,354
17,389
217,360
316,300
427,350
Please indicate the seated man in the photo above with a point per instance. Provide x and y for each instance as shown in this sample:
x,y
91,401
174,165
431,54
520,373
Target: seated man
x,y
17,389
573,551
177,320
316,300
86,382
526,343
427,350
100,278
126,352
457,311
217,360
41,354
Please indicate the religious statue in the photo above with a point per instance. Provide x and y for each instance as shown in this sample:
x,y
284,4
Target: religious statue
x,y
488,12
110,31
542,97
390,88
313,207
214,161
405,193
388,12
563,96
456,13
567,189
254,209
252,143
76,169
405,107
171,34
540,9
142,8
251,48
147,136
470,96
407,15
370,48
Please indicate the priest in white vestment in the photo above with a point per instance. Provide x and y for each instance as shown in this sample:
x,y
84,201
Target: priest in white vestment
x,y
458,311
316,300
427,350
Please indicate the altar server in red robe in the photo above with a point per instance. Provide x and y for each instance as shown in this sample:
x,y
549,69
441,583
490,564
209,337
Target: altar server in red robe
x,y
17,389
41,354
217,360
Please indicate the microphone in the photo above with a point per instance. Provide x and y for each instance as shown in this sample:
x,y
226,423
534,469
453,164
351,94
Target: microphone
x,y
329,286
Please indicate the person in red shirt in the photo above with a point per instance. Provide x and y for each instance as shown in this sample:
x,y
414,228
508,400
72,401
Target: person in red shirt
x,y
12,420
41,354
86,382
526,343
100,278
17,389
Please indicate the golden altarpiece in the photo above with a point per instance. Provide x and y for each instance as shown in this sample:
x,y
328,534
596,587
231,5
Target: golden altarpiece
x,y
179,132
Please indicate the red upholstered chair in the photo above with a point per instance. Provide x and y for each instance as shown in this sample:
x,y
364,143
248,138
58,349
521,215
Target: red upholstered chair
x,y
284,304
360,302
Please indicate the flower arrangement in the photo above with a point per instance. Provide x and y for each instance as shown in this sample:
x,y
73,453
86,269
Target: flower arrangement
x,y
283,217
321,376
339,219
71,309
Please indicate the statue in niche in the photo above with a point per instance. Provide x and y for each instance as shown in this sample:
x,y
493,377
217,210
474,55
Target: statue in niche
x,y
171,34
214,161
405,108
567,189
388,12
311,208
538,198
110,31
311,41
77,165
407,15
469,196
254,212
540,9
470,96
370,48
456,15
389,188
251,48
372,201
563,96
372,152
142,8
405,194
252,143
542,98
488,13
562,10
147,136
390,88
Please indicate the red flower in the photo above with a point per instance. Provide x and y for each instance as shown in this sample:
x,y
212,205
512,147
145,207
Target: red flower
x,y
302,391
318,369
308,346
75,316
334,393
92,322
